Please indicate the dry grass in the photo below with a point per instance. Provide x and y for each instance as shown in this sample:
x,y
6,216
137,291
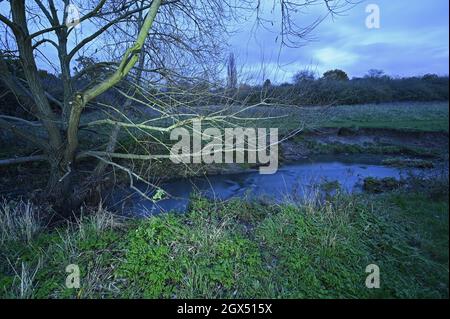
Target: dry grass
x,y
73,243
19,221
23,285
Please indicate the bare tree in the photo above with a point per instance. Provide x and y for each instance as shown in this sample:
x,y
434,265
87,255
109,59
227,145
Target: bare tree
x,y
154,40
60,152
231,72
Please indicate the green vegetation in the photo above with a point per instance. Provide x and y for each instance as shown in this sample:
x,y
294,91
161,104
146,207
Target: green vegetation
x,y
239,249
400,116
417,116
334,88
375,185
427,116
330,186
407,162
316,147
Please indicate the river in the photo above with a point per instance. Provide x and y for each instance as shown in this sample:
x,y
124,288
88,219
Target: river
x,y
292,181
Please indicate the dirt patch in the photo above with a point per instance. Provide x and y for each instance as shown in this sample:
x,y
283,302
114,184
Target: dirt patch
x,y
381,136
380,141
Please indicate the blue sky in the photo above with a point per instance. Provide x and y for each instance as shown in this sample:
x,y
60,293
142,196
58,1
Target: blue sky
x,y
412,40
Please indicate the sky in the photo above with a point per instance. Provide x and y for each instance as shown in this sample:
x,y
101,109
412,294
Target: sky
x,y
412,39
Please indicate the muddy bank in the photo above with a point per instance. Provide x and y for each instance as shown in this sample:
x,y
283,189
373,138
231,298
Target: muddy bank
x,y
407,146
366,140
394,145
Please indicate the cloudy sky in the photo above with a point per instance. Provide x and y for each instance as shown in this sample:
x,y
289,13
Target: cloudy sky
x,y
412,40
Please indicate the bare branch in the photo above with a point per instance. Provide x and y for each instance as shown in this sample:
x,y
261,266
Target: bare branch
x,y
18,119
102,30
25,159
129,59
14,27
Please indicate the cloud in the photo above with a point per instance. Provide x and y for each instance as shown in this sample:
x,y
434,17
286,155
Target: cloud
x,y
330,56
412,40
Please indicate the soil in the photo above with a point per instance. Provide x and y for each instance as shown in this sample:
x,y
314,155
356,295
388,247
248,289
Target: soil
x,y
300,146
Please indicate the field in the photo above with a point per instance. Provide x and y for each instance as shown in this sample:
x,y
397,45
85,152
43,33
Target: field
x,y
207,149
400,116
422,116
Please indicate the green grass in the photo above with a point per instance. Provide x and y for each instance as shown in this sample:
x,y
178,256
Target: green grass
x,y
316,147
418,116
240,249
421,116
429,116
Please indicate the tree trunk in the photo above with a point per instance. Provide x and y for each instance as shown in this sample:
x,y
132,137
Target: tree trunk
x,y
66,77
25,47
63,186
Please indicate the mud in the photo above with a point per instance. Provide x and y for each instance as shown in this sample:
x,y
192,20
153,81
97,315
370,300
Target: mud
x,y
364,140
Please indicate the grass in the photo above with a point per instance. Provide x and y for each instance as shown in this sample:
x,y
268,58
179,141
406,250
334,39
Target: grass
x,y
19,221
316,147
375,185
430,116
403,116
418,116
243,249
421,116
407,162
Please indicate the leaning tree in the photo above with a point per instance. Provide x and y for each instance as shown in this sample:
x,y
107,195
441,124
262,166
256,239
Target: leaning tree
x,y
155,40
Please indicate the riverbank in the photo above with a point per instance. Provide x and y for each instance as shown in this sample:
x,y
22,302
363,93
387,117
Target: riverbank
x,y
313,249
396,148
405,132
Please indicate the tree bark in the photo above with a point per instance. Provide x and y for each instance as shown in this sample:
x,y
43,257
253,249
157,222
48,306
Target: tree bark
x,y
30,70
61,155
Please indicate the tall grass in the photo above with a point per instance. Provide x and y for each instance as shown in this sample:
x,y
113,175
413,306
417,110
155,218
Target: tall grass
x,y
33,258
24,283
19,221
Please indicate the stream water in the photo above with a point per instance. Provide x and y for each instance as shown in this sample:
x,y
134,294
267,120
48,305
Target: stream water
x,y
293,180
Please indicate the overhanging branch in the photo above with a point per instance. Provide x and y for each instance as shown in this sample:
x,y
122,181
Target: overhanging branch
x,y
129,59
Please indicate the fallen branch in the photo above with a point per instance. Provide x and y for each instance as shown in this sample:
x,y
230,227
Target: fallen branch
x,y
24,159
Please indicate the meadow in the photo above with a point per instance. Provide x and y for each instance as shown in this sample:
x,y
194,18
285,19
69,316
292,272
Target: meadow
x,y
101,196
237,249
418,116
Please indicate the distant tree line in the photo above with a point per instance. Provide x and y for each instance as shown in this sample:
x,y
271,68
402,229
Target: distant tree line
x,y
335,87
